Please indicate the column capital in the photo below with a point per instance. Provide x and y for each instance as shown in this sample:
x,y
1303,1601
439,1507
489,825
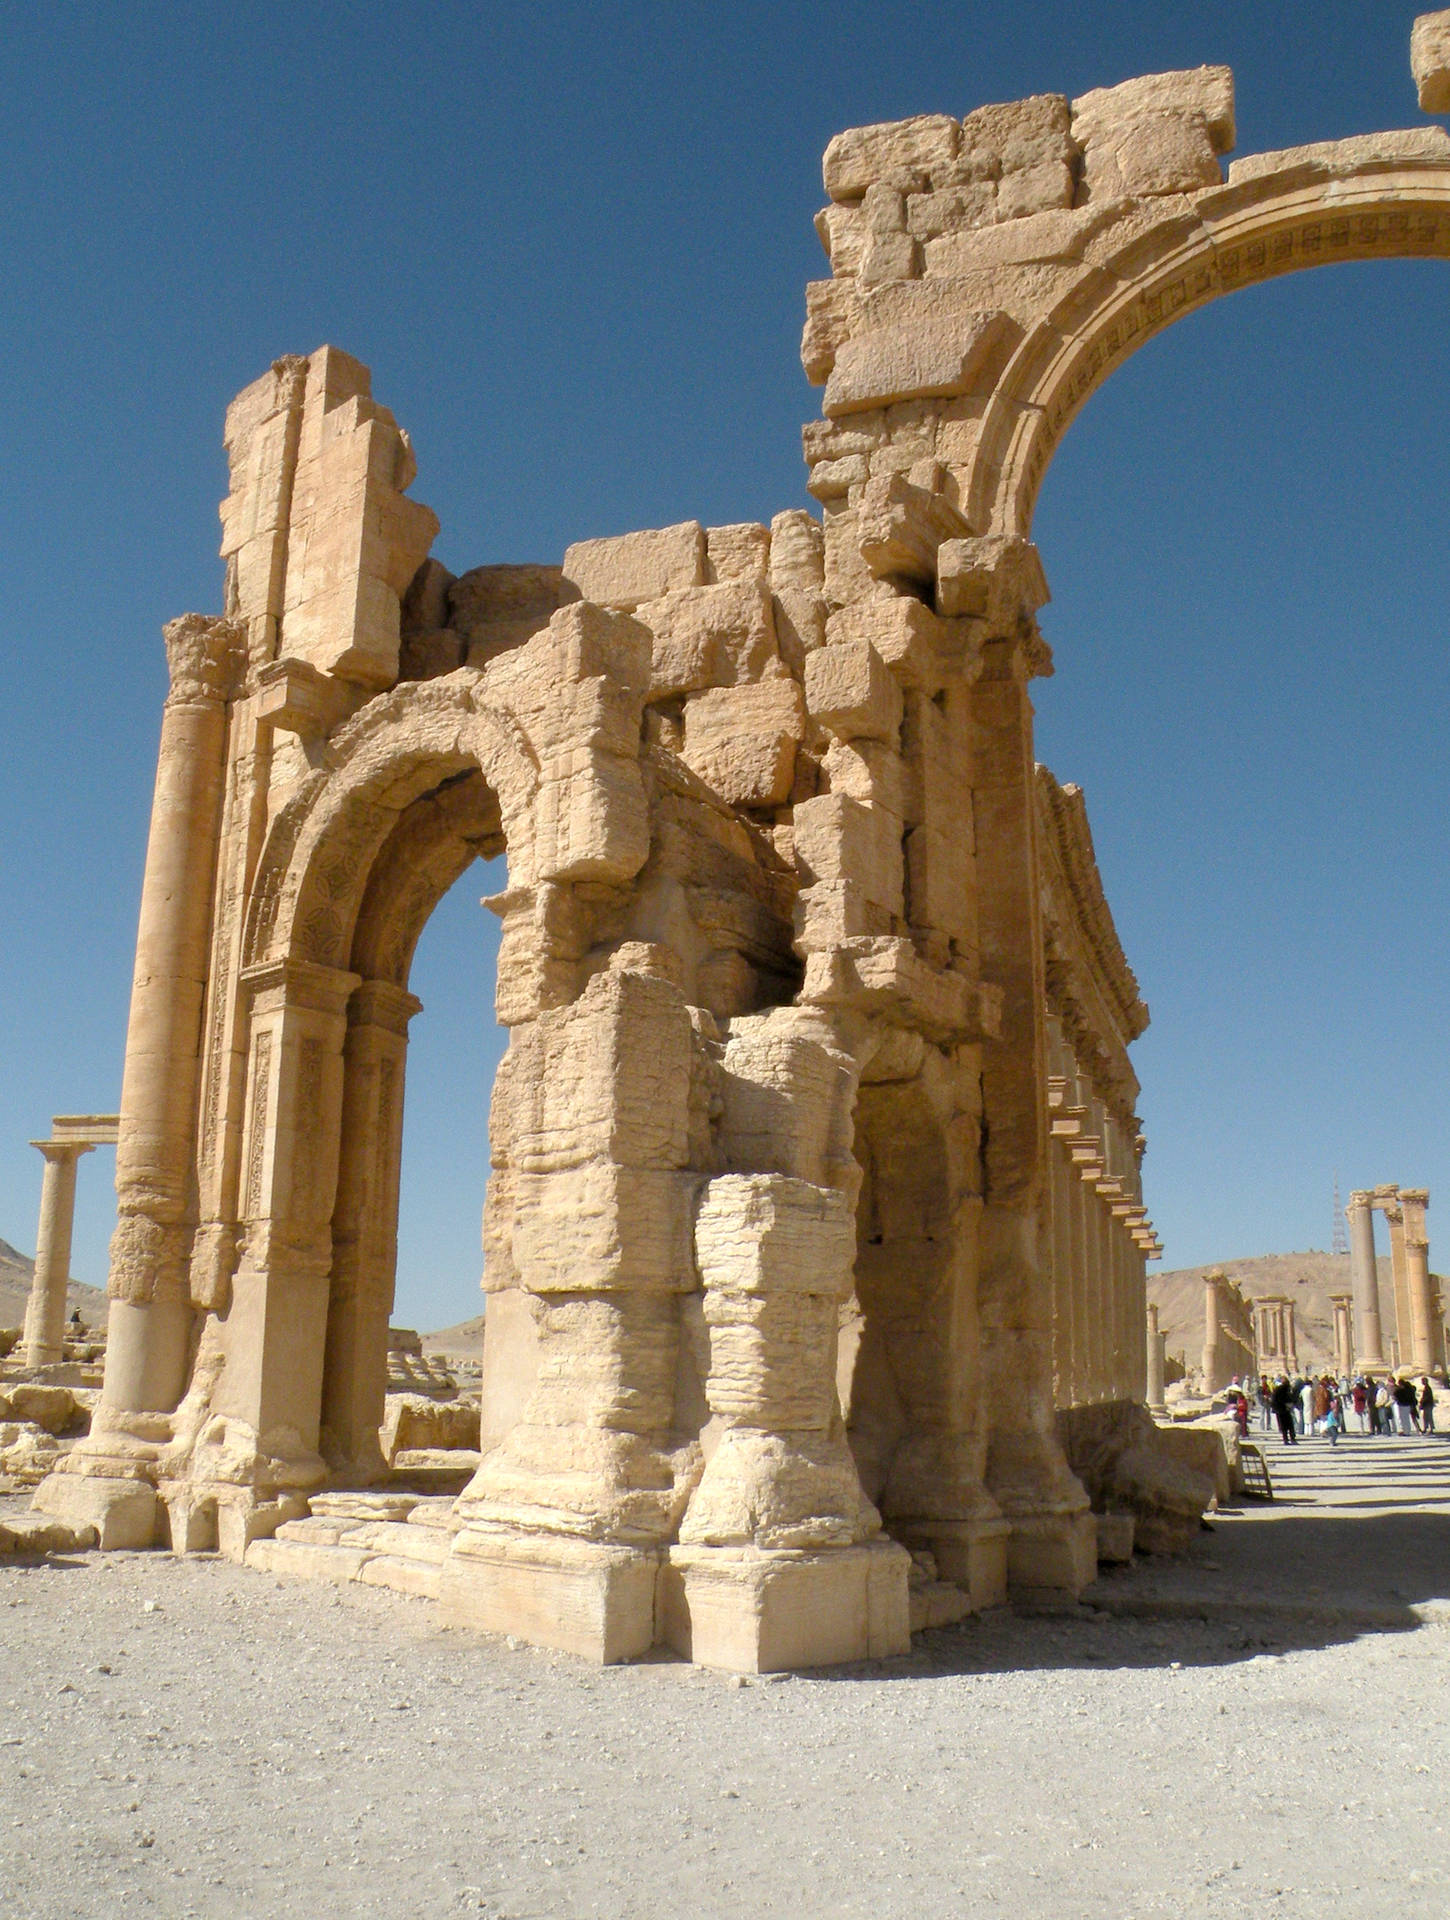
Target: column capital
x,y
60,1150
299,983
1415,1196
206,658
382,1003
1361,1197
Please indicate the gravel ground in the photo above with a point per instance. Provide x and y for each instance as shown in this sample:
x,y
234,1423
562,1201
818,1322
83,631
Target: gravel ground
x,y
190,1738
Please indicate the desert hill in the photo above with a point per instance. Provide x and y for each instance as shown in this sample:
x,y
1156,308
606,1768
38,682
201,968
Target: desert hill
x,y
1308,1279
16,1269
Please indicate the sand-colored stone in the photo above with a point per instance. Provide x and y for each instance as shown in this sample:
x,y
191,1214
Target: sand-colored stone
x,y
814,1234
1430,60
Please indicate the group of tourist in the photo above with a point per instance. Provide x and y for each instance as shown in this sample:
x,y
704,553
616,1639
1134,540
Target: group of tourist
x,y
1308,1405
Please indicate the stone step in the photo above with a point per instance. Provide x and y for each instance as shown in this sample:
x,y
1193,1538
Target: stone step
x,y
400,1540
344,1504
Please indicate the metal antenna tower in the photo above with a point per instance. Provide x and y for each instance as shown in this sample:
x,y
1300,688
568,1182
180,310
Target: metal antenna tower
x,y
1339,1241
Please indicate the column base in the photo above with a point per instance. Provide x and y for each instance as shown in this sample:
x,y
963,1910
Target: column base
x,y
1052,1555
579,1596
971,1554
752,1612
202,1516
124,1512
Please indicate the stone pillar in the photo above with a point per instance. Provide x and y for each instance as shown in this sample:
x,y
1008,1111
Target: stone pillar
x,y
1214,1375
1343,1333
45,1315
1423,1356
365,1230
1369,1334
1053,1541
1156,1343
1399,1275
150,1322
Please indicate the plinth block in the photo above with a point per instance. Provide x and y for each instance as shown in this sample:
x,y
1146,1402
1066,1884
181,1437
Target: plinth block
x,y
750,1612
1052,1554
124,1513
971,1554
579,1596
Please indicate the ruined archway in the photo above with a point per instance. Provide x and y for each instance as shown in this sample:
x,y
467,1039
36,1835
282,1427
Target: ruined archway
x,y
775,835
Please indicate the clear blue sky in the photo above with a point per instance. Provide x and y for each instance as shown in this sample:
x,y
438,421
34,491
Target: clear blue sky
x,y
571,242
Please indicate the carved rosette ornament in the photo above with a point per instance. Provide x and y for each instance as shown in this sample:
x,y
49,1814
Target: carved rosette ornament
x,y
206,658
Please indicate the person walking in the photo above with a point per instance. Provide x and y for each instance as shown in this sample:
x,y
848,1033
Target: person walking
x,y
1334,1417
1383,1409
1266,1403
1360,1397
1282,1400
1427,1405
1405,1405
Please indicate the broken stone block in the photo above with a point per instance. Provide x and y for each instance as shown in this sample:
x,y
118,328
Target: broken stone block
x,y
903,525
1207,92
862,155
627,569
742,740
850,692
888,364
739,552
1153,154
1430,60
838,839
719,636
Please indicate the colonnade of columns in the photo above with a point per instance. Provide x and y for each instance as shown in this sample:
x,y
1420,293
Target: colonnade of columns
x,y
1101,1241
71,1135
1276,1336
1419,1338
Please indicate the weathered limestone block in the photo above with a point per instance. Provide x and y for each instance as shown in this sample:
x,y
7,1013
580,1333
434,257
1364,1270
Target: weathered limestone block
x,y
849,691
1155,153
737,552
54,1409
578,691
871,771
742,740
412,1420
600,1226
579,1596
1430,60
993,577
1015,136
751,1613
721,636
923,651
887,364
1203,92
893,149
499,607
888,978
36,1533
797,552
772,1234
785,1098
606,1078
903,525
626,569
354,541
836,838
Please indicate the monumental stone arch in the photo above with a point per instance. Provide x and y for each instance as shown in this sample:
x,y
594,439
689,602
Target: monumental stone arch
x,y
814,1238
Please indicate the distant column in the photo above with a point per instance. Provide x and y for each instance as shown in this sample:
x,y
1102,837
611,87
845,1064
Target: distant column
x,y
1212,1343
1399,1272
1370,1357
1343,1333
45,1314
1413,1202
1156,1342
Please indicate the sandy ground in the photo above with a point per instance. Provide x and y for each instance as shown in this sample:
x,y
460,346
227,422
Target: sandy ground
x,y
1247,1732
